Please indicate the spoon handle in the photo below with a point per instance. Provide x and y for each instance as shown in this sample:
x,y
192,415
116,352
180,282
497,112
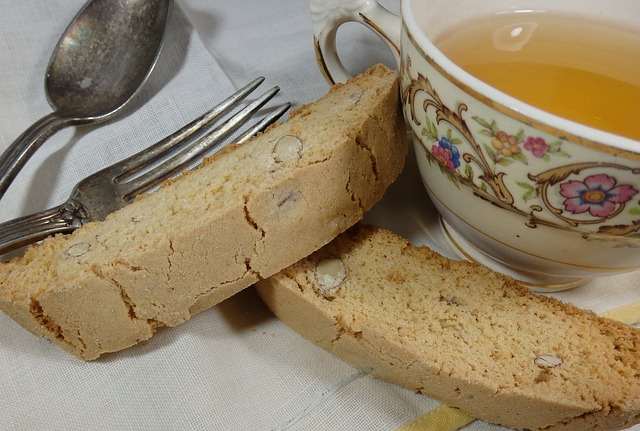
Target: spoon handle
x,y
21,150
26,230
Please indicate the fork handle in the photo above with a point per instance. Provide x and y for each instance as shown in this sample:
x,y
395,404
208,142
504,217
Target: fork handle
x,y
26,230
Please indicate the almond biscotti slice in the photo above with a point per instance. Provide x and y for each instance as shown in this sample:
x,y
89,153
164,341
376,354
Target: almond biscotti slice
x,y
458,332
246,213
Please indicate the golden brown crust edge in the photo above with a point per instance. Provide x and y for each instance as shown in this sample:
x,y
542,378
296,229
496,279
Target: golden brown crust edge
x,y
382,353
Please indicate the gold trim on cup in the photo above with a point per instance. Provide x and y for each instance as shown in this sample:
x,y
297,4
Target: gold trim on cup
x,y
510,112
374,26
322,64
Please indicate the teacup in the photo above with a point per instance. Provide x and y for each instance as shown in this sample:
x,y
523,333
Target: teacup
x,y
547,200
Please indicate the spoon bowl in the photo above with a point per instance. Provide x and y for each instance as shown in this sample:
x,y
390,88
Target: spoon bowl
x,y
101,61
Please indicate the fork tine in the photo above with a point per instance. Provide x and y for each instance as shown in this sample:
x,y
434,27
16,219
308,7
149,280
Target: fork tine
x,y
261,125
140,160
197,148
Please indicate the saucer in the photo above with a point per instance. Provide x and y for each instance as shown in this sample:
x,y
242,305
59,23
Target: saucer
x,y
535,282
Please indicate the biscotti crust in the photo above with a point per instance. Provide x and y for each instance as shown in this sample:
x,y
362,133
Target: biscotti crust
x,y
528,362
246,213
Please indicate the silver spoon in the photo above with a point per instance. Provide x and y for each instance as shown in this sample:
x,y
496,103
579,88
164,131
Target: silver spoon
x,y
100,62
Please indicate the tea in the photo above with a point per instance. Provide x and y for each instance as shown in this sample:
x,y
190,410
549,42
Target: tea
x,y
584,70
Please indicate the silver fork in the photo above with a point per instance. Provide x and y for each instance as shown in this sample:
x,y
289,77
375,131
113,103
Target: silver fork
x,y
110,189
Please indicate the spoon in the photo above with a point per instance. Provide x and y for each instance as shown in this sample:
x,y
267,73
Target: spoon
x,y
100,62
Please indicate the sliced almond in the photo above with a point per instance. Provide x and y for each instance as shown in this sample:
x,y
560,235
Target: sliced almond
x,y
330,273
548,361
78,249
287,148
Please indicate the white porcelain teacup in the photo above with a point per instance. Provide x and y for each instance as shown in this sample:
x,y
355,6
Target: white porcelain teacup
x,y
547,200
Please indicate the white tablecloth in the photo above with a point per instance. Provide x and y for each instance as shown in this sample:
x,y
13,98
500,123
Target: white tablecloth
x,y
234,367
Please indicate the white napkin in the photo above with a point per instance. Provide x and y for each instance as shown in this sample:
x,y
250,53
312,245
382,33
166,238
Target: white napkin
x,y
234,367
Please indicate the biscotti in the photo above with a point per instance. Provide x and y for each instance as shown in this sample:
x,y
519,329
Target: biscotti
x,y
460,333
245,214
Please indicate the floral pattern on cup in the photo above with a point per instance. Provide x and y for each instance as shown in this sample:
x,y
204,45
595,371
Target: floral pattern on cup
x,y
552,190
598,194
446,153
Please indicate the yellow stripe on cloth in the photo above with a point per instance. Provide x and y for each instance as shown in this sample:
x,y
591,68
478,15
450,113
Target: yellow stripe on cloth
x,y
629,314
444,418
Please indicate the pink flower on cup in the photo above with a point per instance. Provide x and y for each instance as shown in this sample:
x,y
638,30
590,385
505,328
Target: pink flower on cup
x,y
597,194
447,154
537,146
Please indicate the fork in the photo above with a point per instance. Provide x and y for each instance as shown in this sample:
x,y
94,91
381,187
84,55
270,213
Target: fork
x,y
113,187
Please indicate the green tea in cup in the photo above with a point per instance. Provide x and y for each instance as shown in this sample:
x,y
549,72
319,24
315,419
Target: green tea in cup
x,y
581,69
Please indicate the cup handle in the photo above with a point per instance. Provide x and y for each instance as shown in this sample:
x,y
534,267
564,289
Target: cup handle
x,y
328,16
